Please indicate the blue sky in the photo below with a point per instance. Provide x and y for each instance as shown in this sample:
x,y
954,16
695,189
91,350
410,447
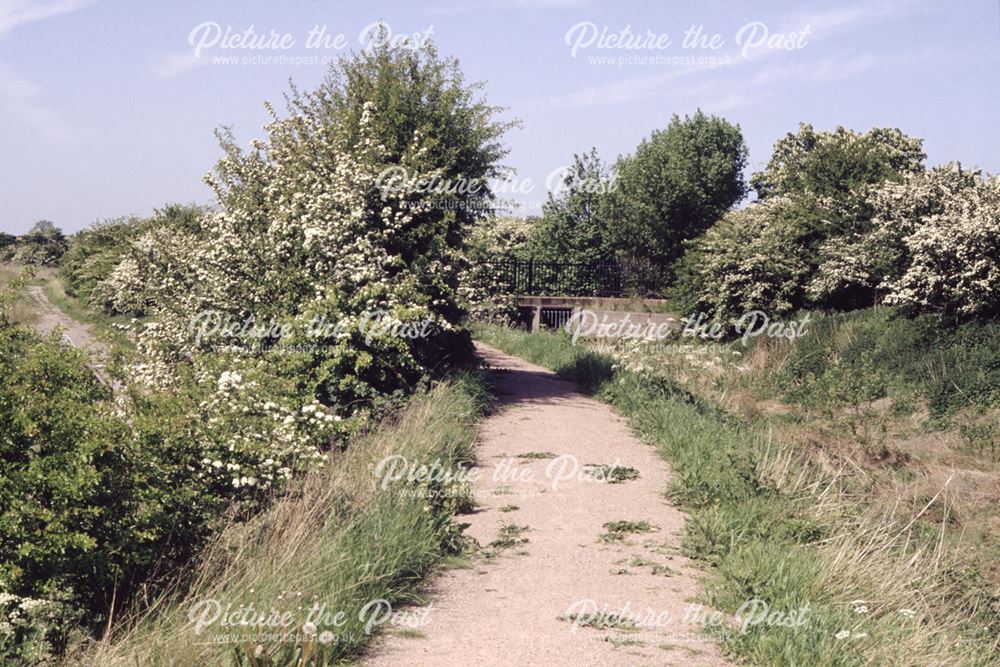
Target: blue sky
x,y
105,110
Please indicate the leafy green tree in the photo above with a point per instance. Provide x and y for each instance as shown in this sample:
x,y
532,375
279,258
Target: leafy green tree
x,y
677,183
8,245
573,227
837,164
43,245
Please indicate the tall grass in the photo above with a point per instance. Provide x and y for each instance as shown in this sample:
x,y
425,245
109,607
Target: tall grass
x,y
339,540
22,308
871,354
772,524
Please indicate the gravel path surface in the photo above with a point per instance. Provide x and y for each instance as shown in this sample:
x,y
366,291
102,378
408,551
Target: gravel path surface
x,y
511,608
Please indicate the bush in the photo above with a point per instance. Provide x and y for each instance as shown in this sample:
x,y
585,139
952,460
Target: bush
x,y
954,266
859,268
492,241
756,258
68,480
94,253
44,245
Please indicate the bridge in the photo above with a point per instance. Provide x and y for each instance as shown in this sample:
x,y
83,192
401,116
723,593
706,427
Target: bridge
x,y
549,293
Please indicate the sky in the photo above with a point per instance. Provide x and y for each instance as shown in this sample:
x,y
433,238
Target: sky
x,y
109,107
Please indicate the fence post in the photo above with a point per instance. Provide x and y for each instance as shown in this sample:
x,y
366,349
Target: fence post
x,y
531,275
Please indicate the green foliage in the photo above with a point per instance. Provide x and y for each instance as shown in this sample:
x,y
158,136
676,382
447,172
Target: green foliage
x,y
863,266
859,357
337,539
838,164
676,184
756,258
8,246
954,266
43,245
491,241
421,98
573,226
802,244
95,252
102,499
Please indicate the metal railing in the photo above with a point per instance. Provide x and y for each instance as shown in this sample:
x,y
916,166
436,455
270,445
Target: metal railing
x,y
535,278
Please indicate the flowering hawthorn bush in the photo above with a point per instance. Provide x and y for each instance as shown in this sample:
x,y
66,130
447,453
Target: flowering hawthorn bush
x,y
867,261
752,259
848,220
486,296
954,266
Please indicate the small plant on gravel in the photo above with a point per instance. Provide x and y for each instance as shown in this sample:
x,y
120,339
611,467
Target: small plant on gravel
x,y
617,530
612,474
511,535
599,621
622,641
654,567
509,508
536,455
410,633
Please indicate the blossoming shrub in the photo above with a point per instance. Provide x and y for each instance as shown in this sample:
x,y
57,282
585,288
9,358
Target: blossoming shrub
x,y
101,499
309,228
847,221
754,258
95,252
954,266
493,241
859,267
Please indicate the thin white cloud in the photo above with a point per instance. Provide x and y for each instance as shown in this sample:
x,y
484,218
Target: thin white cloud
x,y
20,99
14,13
175,64
20,103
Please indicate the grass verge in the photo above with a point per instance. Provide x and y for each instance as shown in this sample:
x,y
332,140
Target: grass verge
x,y
339,555
786,540
102,325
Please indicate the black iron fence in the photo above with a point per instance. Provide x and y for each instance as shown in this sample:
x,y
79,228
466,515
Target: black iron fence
x,y
527,277
534,278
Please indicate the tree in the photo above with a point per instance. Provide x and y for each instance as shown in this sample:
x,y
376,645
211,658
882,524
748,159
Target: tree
x,y
44,228
573,228
309,226
43,245
857,268
837,164
677,183
817,199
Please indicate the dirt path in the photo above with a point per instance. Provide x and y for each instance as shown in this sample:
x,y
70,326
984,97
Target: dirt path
x,y
76,333
506,610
